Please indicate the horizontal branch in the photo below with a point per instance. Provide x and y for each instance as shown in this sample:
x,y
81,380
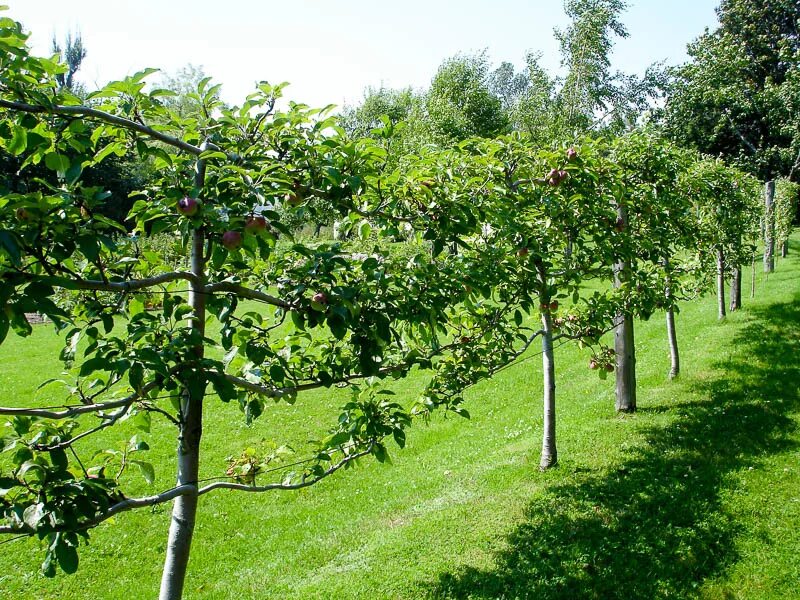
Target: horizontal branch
x,y
243,487
130,285
122,506
187,490
100,115
81,409
249,293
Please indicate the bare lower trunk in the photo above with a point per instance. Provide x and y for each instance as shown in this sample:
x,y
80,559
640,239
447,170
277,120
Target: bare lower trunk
x,y
672,337
785,249
549,452
721,284
184,508
753,279
736,289
769,227
623,338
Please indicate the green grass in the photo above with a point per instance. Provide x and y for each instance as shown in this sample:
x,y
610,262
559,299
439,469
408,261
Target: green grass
x,y
696,495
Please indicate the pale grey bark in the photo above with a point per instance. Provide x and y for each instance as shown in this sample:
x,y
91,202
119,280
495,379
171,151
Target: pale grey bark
x,y
672,337
184,507
623,339
753,278
721,283
549,452
736,289
769,227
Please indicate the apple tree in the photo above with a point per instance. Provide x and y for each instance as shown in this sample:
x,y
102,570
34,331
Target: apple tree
x,y
786,194
245,321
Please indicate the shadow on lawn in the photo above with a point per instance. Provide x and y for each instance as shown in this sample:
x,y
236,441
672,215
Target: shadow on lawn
x,y
654,528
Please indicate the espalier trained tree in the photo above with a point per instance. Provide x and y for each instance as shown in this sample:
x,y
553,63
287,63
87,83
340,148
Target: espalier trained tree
x,y
728,215
552,214
657,222
286,321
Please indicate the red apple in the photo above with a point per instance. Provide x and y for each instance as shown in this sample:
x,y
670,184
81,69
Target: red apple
x,y
609,368
188,206
255,225
554,305
320,298
523,252
572,154
593,365
231,240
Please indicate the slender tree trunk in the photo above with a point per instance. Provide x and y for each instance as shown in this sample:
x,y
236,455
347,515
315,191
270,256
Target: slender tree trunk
x,y
549,451
753,278
736,289
769,227
721,283
672,337
785,249
184,508
623,339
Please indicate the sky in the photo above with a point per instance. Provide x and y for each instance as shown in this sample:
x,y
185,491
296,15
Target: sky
x,y
331,51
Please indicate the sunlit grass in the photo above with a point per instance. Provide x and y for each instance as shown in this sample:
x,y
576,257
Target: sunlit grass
x,y
694,496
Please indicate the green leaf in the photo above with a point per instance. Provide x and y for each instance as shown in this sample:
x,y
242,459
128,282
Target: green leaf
x,y
142,420
56,162
19,141
147,470
67,557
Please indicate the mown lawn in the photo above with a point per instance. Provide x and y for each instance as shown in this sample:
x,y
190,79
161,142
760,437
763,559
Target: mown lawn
x,y
697,495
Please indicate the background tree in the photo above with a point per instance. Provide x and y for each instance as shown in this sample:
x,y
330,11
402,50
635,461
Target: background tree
x,y
72,55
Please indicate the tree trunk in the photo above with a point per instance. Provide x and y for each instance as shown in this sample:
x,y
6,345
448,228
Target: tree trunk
x,y
721,283
549,452
753,278
184,508
672,337
623,338
785,249
769,227
736,289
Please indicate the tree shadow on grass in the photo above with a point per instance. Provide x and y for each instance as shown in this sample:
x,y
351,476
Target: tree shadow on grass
x,y
655,527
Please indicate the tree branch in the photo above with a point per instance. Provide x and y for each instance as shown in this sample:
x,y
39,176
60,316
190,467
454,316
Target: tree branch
x,y
100,115
245,292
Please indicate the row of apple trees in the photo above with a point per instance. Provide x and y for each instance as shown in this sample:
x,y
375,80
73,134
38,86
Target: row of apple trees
x,y
515,244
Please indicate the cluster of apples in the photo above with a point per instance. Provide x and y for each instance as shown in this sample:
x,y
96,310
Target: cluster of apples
x,y
557,176
604,360
231,239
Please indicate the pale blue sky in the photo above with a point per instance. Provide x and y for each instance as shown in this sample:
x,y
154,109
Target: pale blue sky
x,y
331,50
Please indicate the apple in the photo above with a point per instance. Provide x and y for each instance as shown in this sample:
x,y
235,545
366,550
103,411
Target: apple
x,y
572,154
609,368
22,214
255,225
320,298
188,206
562,175
523,252
465,340
231,240
554,305
593,365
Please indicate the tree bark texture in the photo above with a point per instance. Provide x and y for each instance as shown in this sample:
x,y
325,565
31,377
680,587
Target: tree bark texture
x,y
736,289
549,452
769,227
721,283
623,338
672,336
184,508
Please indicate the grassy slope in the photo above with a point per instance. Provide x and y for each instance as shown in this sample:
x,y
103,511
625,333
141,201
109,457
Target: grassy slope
x,y
695,495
